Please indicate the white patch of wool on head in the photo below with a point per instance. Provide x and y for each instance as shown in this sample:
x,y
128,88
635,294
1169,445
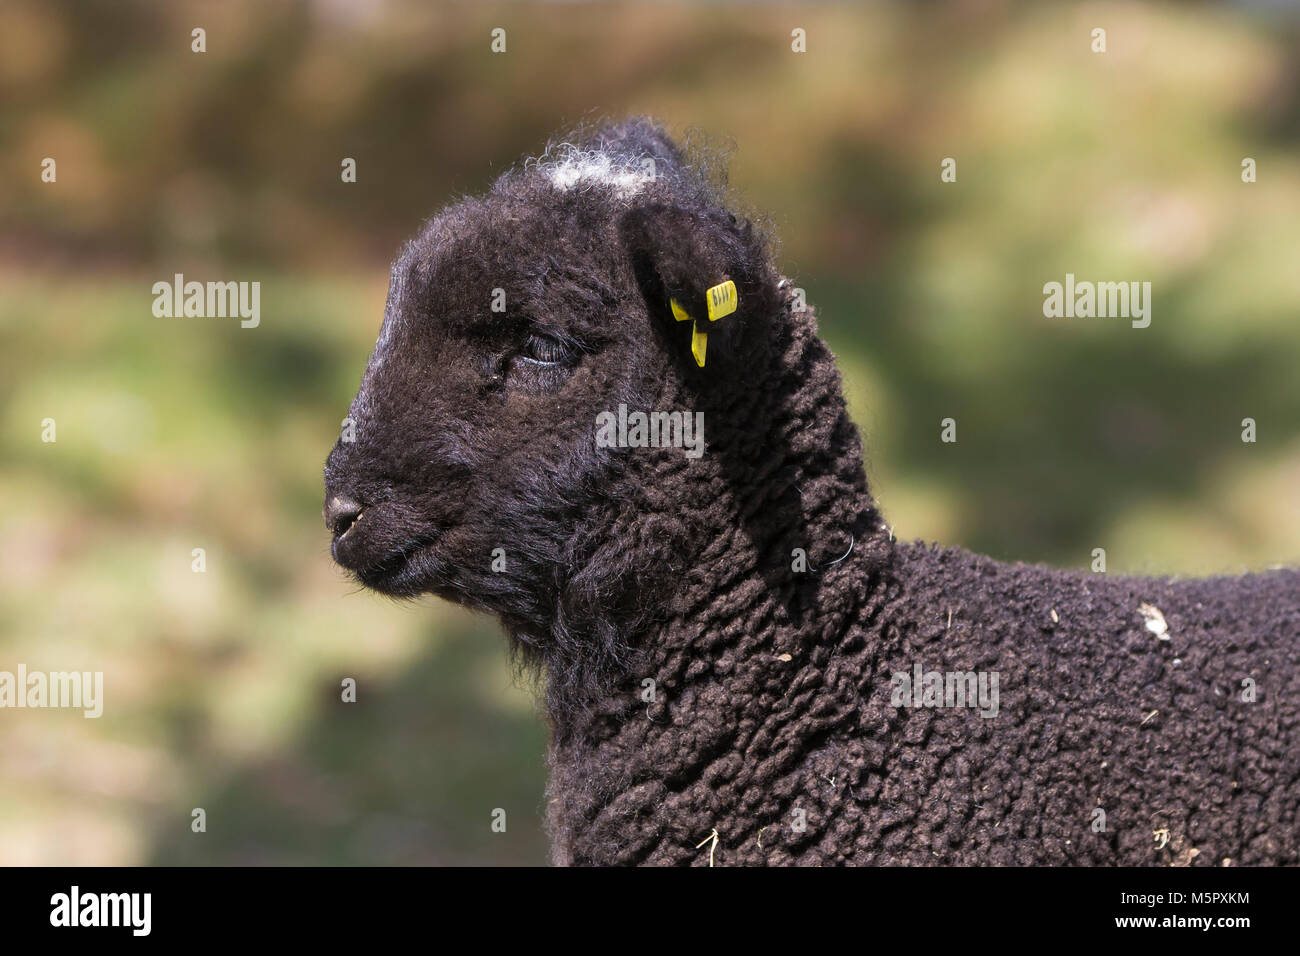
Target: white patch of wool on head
x,y
579,170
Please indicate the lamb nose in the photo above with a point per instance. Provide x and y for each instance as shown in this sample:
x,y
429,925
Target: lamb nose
x,y
340,512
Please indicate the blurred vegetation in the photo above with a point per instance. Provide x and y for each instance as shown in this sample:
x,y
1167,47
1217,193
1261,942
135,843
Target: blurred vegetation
x,y
222,689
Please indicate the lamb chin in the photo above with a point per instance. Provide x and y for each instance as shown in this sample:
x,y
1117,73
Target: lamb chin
x,y
405,579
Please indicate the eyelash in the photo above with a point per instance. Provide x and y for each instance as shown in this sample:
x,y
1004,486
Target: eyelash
x,y
543,362
553,353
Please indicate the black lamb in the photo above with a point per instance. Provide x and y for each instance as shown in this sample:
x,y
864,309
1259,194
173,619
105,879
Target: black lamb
x,y
597,411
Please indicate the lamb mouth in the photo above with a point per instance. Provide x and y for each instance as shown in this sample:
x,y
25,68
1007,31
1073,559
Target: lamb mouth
x,y
349,528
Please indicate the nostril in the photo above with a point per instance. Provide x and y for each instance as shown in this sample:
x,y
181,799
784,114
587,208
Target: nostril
x,y
341,512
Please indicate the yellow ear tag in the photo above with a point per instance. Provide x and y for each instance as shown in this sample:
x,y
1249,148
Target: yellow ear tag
x,y
722,300
699,343
699,340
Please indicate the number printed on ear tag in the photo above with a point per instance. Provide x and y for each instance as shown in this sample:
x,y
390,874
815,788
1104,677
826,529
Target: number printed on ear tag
x,y
722,300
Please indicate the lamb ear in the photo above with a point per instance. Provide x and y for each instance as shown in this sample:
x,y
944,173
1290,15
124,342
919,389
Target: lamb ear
x,y
701,272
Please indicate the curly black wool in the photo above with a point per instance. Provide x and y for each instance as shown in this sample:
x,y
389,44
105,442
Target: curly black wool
x,y
724,639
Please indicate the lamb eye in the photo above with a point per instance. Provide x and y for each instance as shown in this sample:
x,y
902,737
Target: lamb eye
x,y
544,350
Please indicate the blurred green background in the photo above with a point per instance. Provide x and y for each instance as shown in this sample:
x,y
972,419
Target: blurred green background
x,y
222,688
